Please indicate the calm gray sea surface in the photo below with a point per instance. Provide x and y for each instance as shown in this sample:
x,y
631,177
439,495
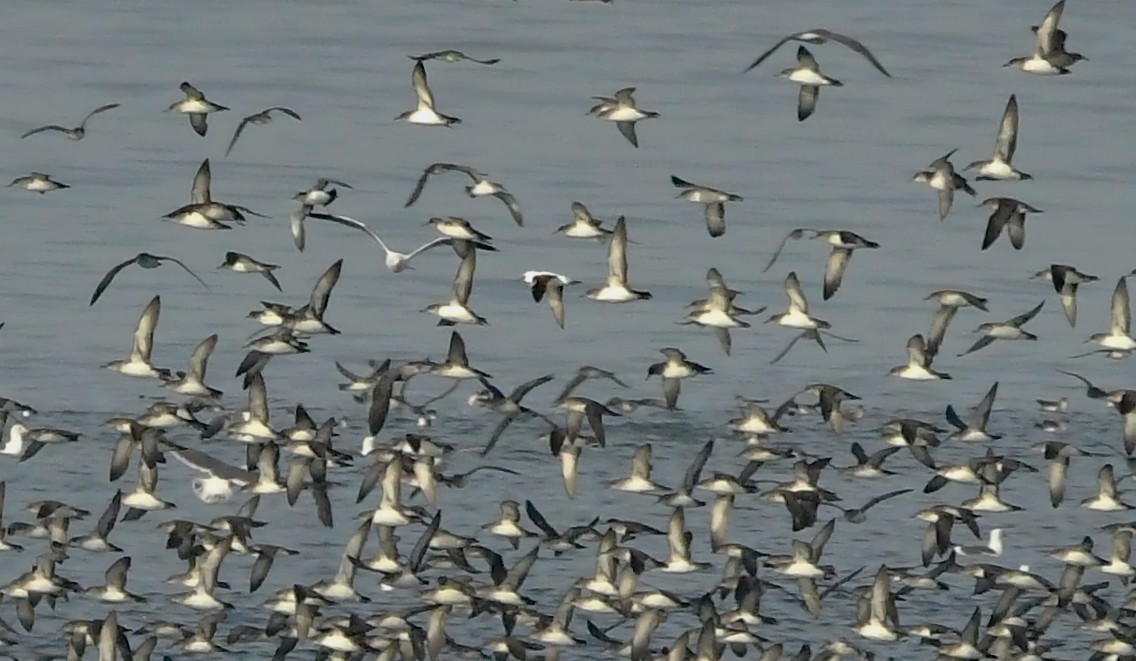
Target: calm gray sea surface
x,y
343,66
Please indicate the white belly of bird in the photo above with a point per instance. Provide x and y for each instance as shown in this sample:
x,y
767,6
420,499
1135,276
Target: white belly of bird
x,y
111,595
388,516
194,106
998,169
1005,333
1118,567
613,294
212,490
715,319
196,219
873,630
1118,342
425,116
973,436
677,371
917,373
458,314
797,319
141,500
623,114
752,425
941,180
254,429
801,568
1104,504
583,231
634,484
987,502
679,565
135,368
1040,66
483,188
39,185
507,529
808,77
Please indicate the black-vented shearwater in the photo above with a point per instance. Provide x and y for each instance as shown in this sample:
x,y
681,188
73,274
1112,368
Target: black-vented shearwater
x,y
1009,214
38,182
808,75
820,36
1066,280
144,260
672,371
457,310
999,167
196,106
259,119
1004,330
452,56
713,199
241,263
621,109
77,133
941,176
424,113
1046,46
615,289
583,225
482,186
138,364
949,300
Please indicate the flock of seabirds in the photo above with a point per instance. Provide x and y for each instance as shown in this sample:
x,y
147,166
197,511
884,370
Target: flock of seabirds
x,y
385,602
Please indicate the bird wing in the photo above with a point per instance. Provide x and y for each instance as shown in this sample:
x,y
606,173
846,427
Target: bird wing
x,y
1007,140
834,270
184,268
237,134
318,301
1047,31
105,282
1023,319
109,106
200,357
764,56
795,234
514,208
519,393
857,47
350,222
199,193
49,127
421,88
144,333
417,192
617,253
1121,310
463,283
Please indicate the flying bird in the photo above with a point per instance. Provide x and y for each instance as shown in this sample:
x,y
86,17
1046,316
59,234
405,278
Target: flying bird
x,y
622,110
142,260
260,118
820,36
196,106
808,74
77,133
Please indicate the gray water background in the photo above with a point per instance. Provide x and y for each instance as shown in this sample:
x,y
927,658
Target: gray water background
x,y
343,67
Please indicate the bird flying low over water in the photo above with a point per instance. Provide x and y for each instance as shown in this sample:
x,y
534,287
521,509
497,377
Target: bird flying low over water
x,y
197,107
77,133
142,260
622,109
819,36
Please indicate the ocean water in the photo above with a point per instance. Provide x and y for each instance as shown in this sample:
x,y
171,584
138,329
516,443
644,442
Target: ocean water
x,y
343,67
